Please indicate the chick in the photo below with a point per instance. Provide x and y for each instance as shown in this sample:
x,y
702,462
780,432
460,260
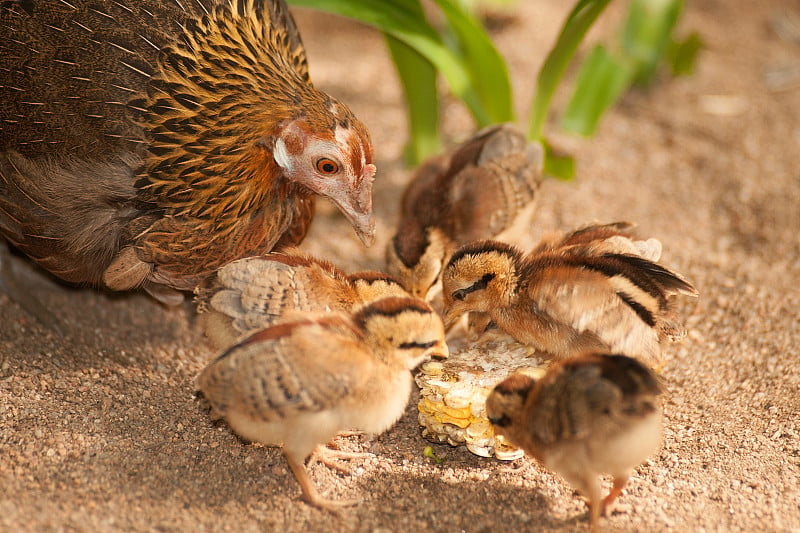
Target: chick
x,y
587,416
299,383
566,304
475,192
594,239
256,292
372,285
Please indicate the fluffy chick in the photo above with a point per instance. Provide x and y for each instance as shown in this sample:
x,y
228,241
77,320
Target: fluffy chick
x,y
297,384
474,192
256,292
566,304
587,416
372,285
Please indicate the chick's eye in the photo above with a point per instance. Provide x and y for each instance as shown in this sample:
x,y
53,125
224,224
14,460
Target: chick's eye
x,y
327,166
500,421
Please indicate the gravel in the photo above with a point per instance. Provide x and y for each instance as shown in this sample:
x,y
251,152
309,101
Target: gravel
x,y
101,430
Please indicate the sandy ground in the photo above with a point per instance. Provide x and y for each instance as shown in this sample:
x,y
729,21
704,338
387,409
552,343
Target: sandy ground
x,y
100,430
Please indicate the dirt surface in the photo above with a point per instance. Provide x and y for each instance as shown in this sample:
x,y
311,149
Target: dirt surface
x,y
100,431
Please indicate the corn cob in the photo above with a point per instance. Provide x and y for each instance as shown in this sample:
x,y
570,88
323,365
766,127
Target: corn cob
x,y
452,404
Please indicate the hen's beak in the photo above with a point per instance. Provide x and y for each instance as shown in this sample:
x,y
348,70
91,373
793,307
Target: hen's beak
x,y
354,200
363,223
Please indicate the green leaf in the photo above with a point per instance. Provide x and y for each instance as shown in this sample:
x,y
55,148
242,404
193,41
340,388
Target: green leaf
x,y
486,67
404,20
430,454
683,55
559,166
418,78
575,27
647,34
601,81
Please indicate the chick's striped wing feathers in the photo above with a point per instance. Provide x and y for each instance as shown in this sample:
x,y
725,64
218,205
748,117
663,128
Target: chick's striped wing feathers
x,y
599,296
569,402
596,393
668,281
257,291
286,370
491,179
569,293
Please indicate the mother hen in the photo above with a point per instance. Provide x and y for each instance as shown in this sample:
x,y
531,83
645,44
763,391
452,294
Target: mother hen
x,y
145,143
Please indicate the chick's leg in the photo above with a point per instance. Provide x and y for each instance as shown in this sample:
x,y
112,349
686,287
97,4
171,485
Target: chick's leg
x,y
328,456
616,490
590,488
310,491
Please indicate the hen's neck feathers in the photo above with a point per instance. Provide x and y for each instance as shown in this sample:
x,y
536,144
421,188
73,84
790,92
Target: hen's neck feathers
x,y
224,90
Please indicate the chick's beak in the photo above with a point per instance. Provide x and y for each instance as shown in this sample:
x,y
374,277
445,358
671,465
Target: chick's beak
x,y
451,315
436,351
418,292
439,350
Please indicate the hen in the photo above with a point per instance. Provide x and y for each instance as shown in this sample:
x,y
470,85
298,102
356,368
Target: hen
x,y
147,143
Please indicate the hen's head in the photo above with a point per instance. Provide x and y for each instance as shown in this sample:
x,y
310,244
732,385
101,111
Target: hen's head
x,y
333,158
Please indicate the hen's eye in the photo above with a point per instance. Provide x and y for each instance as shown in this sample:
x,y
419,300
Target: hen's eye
x,y
327,166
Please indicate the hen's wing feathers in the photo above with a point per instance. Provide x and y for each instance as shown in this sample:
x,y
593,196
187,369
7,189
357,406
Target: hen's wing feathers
x,y
34,195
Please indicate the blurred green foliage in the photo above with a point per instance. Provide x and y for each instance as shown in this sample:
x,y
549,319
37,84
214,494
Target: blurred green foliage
x,y
460,50
645,43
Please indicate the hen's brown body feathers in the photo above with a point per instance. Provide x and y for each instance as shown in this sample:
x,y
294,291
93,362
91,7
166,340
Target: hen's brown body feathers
x,y
149,143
